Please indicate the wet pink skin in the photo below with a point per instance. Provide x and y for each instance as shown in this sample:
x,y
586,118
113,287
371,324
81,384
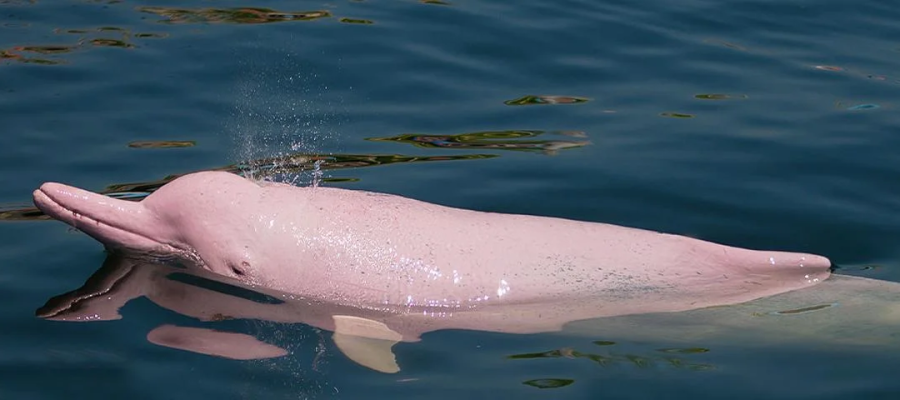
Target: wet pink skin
x,y
397,255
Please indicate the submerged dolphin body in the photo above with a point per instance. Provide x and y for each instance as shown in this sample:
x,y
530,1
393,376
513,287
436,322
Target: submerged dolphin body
x,y
843,312
425,265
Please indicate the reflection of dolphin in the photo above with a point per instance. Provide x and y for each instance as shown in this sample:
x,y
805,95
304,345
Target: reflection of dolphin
x,y
842,310
207,297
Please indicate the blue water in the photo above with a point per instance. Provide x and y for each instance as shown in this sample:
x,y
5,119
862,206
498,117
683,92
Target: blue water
x,y
761,124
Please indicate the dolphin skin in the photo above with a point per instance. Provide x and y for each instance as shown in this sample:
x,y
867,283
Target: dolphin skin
x,y
397,256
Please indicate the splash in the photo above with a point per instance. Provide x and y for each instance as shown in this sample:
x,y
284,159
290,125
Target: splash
x,y
281,110
264,169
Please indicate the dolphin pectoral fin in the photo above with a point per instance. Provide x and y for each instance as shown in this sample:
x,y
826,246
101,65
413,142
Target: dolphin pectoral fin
x,y
367,342
236,346
370,353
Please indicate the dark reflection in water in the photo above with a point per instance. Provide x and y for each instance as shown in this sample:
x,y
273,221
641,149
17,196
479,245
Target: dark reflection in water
x,y
719,96
243,15
161,144
687,350
676,115
180,288
801,310
549,383
501,140
44,49
111,43
611,359
532,100
267,168
356,21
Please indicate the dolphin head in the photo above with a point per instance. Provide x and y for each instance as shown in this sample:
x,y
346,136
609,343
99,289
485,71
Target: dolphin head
x,y
206,217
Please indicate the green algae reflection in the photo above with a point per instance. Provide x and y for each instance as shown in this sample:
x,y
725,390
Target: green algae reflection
x,y
676,115
356,21
23,54
496,140
111,43
104,36
242,15
161,144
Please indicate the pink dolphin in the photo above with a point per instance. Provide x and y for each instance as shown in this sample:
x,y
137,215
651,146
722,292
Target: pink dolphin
x,y
399,256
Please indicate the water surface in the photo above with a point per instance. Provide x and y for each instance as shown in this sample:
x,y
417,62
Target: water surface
x,y
762,124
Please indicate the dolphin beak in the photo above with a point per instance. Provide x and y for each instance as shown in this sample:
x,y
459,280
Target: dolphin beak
x,y
115,223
